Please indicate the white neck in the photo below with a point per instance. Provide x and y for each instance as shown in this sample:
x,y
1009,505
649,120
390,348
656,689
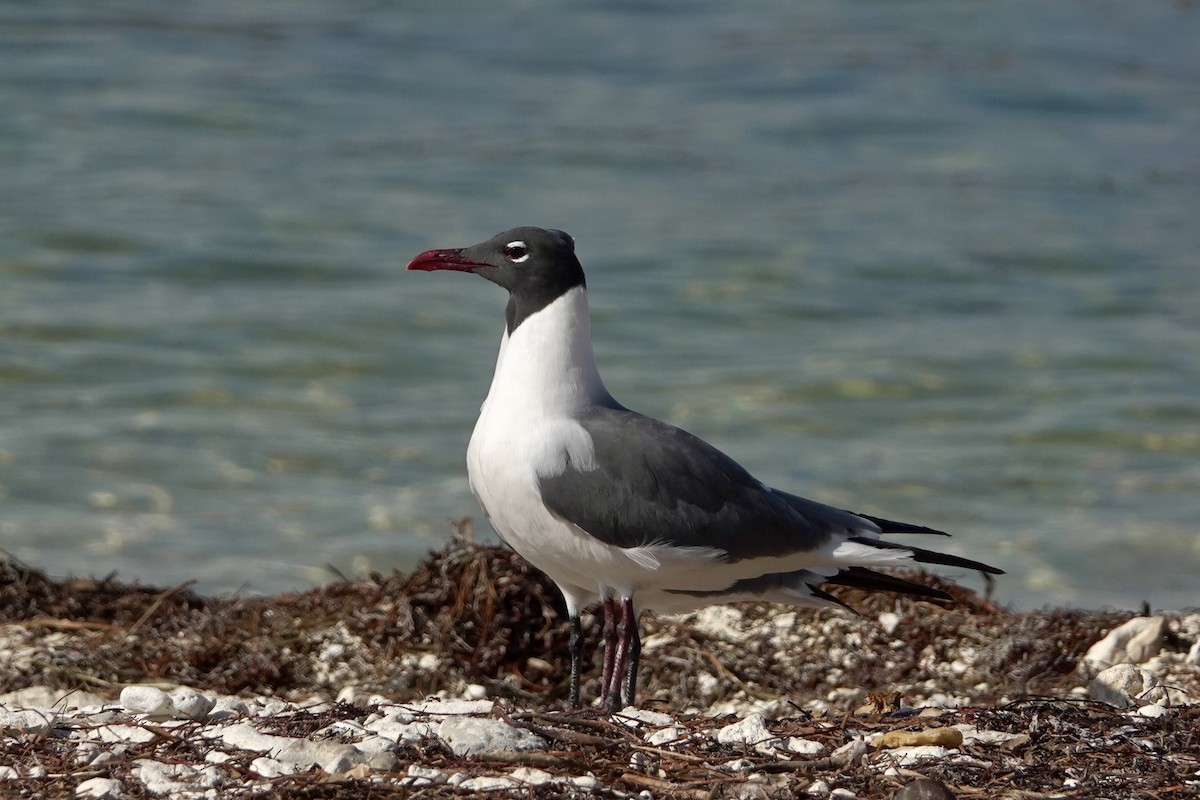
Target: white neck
x,y
546,365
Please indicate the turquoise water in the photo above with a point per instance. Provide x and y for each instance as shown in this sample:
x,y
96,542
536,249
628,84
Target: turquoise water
x,y
929,260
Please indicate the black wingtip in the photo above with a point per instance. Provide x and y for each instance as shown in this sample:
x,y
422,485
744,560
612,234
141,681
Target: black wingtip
x,y
870,580
923,556
892,526
824,595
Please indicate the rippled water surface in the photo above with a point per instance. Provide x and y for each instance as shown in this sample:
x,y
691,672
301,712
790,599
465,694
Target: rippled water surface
x,y
930,260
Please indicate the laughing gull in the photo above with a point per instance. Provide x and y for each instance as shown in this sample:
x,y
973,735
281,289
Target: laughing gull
x,y
617,507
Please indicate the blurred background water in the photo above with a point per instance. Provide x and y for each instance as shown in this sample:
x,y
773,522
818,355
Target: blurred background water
x,y
931,260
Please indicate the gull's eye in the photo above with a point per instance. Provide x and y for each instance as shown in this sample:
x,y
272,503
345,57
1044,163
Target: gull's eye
x,y
516,252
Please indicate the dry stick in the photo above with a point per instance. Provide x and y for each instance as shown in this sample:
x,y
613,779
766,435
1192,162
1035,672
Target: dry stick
x,y
565,735
66,624
658,784
73,674
658,751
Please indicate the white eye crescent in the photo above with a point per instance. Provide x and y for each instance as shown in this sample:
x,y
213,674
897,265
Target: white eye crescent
x,y
516,252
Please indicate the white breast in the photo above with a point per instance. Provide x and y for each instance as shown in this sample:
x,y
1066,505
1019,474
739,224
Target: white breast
x,y
545,372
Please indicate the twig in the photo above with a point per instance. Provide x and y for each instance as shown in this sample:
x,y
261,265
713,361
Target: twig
x,y
666,787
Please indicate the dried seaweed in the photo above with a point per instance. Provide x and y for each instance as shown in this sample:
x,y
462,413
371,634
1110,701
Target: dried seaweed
x,y
483,615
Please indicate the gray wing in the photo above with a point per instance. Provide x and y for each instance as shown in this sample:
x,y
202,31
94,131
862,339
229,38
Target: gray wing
x,y
656,484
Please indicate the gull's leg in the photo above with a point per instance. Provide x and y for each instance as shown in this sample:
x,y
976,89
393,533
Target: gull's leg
x,y
626,632
576,647
629,685
607,676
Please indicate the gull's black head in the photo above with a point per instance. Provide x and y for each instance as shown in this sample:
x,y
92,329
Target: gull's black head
x,y
535,265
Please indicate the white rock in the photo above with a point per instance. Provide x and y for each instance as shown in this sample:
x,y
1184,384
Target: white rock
x,y
148,700
29,721
383,761
228,707
8,773
1122,686
1133,642
427,773
738,765
466,736
332,756
889,621
663,736
803,747
352,695
852,751
85,752
245,736
100,788
633,716
271,768
534,777
190,704
273,708
818,788
488,783
1152,711
1193,656
845,794
372,744
752,731
588,783
475,691
113,755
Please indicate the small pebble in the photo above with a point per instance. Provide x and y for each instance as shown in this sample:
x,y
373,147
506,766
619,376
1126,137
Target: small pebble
x,y
1152,711
750,731
100,788
190,704
427,773
148,700
804,747
663,736
270,768
534,777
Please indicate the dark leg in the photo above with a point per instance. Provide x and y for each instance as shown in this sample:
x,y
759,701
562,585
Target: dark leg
x,y
607,677
629,686
626,633
576,647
